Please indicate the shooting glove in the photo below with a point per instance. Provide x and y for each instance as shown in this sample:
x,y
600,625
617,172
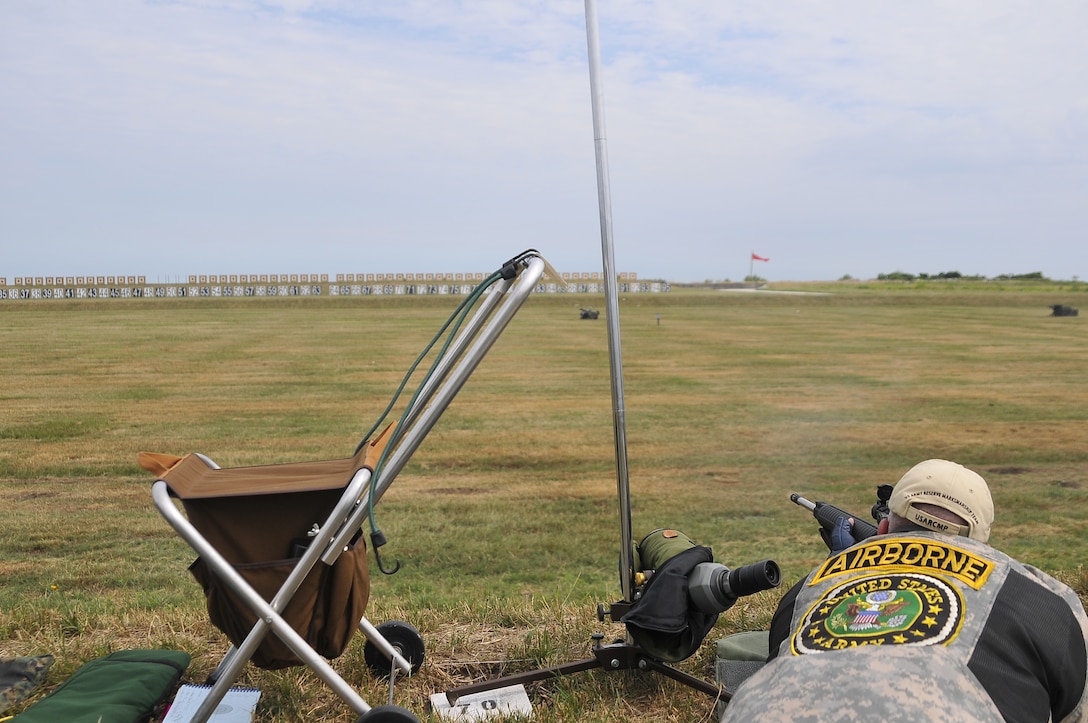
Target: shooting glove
x,y
841,537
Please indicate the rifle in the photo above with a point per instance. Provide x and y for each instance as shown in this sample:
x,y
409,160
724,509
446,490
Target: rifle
x,y
828,514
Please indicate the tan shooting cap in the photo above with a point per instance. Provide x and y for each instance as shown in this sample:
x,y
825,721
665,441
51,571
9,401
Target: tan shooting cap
x,y
949,486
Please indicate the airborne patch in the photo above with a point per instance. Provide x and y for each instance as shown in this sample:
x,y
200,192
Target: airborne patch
x,y
893,554
892,609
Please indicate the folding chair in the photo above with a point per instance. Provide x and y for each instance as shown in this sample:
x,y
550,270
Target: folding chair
x,y
280,546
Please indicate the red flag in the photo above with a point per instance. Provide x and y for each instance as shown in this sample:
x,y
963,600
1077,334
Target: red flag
x,y
756,257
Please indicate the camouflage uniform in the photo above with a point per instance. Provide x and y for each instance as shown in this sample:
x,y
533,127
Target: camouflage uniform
x,y
20,676
863,685
1003,640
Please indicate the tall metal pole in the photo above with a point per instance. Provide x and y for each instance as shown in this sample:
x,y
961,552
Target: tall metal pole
x,y
604,200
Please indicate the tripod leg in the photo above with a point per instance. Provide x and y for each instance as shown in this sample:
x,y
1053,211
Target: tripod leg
x,y
714,691
519,678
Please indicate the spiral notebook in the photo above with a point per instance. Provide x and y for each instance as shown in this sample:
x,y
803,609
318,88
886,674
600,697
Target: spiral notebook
x,y
237,705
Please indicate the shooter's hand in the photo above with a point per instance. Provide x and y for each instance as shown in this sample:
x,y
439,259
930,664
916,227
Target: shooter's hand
x,y
841,536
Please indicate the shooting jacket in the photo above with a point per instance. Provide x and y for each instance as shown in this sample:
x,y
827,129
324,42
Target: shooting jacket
x,y
924,624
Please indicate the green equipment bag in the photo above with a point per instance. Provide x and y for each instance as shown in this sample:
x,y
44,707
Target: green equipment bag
x,y
122,687
662,622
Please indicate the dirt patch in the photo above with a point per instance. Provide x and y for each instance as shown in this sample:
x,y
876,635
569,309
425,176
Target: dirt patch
x,y
459,491
1008,470
457,649
32,495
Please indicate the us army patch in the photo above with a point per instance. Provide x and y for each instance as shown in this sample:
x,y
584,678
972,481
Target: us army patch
x,y
891,609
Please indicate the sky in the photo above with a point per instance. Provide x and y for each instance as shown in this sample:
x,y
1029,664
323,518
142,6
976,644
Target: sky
x,y
166,138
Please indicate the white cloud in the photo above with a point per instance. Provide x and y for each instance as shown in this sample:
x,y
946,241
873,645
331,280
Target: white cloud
x,y
298,131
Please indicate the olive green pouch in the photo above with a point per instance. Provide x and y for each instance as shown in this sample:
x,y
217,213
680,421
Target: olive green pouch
x,y
123,687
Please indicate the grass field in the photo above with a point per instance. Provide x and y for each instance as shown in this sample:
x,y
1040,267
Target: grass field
x,y
506,520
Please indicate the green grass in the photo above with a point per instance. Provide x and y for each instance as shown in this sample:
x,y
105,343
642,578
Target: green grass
x,y
506,519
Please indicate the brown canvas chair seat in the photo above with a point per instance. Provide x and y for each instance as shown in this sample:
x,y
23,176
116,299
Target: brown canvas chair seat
x,y
192,477
258,518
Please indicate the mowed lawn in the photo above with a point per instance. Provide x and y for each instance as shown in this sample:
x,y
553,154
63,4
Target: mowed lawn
x,y
506,521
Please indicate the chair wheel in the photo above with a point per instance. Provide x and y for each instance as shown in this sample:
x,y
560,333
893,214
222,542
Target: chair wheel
x,y
388,714
404,638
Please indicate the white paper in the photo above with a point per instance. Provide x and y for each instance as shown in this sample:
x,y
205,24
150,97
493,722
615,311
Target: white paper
x,y
237,705
487,704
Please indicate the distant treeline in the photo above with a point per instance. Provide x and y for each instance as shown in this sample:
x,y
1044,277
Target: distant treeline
x,y
904,276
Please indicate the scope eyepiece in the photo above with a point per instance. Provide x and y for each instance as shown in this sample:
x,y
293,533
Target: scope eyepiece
x,y
757,577
714,588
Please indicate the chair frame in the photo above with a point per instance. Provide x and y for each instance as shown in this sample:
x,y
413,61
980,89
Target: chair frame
x,y
520,277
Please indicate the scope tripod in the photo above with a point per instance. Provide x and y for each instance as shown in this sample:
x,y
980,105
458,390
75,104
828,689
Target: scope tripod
x,y
612,657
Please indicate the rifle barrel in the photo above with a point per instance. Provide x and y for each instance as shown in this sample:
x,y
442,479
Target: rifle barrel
x,y
799,500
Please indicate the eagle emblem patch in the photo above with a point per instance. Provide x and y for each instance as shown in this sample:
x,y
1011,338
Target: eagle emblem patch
x,y
892,609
